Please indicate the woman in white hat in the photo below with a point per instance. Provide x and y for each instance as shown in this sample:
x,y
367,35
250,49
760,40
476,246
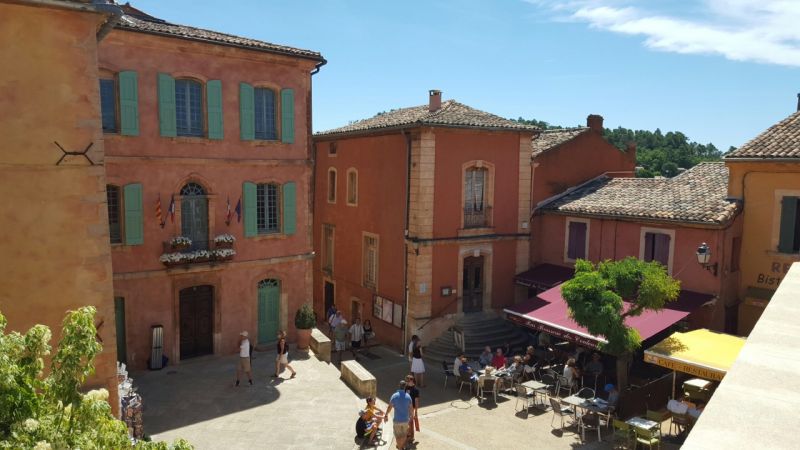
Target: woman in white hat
x,y
244,358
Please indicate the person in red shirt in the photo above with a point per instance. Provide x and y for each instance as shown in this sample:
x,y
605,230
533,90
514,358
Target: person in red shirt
x,y
499,361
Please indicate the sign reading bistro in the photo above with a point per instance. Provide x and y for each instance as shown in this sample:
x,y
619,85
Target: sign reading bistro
x,y
702,372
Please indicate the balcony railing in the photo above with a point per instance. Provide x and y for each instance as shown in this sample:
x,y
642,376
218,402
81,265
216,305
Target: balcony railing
x,y
477,219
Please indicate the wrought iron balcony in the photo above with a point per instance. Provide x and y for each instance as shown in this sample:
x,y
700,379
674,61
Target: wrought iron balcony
x,y
477,218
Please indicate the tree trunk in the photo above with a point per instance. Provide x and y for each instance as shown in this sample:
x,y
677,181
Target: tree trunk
x,y
622,371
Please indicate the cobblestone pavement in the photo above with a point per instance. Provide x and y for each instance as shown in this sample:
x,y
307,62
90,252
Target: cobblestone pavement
x,y
197,401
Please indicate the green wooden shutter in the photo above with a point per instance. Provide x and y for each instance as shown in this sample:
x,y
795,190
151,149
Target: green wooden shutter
x,y
287,116
788,224
214,102
249,195
134,227
247,112
166,105
128,103
289,208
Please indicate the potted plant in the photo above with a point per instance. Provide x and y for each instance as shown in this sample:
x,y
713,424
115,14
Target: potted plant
x,y
304,321
224,241
179,243
223,254
199,256
173,259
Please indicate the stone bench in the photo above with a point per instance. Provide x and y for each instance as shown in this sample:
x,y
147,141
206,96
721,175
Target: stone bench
x,y
320,345
359,379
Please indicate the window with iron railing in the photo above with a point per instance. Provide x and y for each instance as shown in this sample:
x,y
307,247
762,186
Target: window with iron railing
x,y
476,211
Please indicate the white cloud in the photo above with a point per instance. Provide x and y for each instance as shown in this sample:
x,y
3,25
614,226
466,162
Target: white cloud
x,y
764,31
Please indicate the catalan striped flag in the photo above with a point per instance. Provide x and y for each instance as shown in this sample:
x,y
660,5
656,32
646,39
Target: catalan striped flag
x,y
158,212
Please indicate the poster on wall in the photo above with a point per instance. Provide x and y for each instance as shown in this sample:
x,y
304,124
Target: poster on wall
x,y
388,310
377,307
398,315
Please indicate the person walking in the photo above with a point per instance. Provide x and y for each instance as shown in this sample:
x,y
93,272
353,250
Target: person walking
x,y
417,365
283,356
244,358
413,392
400,403
340,337
356,334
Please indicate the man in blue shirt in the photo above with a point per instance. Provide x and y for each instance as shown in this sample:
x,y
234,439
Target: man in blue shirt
x,y
402,406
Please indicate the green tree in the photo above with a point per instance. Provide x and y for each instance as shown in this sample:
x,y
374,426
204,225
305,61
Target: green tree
x,y
595,299
669,169
39,411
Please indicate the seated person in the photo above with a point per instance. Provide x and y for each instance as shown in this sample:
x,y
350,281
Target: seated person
x,y
529,363
486,357
516,366
465,370
373,413
696,411
571,372
687,400
613,395
364,428
595,366
499,361
676,407
457,363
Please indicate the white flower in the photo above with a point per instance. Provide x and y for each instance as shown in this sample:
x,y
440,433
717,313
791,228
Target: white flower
x,y
180,240
42,445
30,425
224,252
97,395
172,257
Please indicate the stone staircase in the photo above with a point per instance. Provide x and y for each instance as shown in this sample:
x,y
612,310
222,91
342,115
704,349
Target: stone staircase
x,y
480,330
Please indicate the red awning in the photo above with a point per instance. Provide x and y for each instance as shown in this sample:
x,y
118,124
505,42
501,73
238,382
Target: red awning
x,y
548,312
544,276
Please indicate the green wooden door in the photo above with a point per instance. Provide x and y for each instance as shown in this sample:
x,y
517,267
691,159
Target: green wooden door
x,y
269,297
119,314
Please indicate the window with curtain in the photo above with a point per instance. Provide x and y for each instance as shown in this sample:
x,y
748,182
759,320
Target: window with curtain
x,y
656,248
474,197
108,104
265,127
114,213
268,208
327,248
576,240
194,215
189,108
370,261
352,187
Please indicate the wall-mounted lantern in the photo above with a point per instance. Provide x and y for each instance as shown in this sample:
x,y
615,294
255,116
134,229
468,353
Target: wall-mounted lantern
x,y
704,256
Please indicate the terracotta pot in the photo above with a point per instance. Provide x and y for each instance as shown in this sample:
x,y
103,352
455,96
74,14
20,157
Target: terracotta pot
x,y
303,339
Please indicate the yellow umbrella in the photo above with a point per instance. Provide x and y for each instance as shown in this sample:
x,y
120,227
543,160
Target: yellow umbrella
x,y
703,353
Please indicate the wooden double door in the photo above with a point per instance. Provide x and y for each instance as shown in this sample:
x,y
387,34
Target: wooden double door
x,y
472,284
197,321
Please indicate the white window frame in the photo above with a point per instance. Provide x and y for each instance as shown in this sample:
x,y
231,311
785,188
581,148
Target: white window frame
x,y
670,232
569,220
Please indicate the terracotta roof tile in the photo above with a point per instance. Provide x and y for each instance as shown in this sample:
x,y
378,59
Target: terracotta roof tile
x,y
451,113
698,195
781,140
553,138
136,20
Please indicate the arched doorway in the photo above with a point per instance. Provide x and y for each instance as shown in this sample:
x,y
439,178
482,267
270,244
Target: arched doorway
x,y
196,321
472,284
194,215
269,309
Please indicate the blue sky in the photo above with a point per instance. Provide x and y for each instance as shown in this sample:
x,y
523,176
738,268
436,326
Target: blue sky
x,y
721,71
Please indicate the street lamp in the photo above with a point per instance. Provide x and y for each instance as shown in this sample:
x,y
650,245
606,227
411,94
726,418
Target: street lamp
x,y
704,256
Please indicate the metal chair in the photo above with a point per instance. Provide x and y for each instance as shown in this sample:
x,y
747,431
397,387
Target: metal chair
x,y
587,393
680,421
551,382
591,422
448,372
463,379
564,383
482,387
622,432
522,394
648,437
560,411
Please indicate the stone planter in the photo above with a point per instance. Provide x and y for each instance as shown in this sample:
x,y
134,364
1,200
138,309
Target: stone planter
x,y
303,339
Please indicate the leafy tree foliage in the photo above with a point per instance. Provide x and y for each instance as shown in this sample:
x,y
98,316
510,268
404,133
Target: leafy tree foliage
x,y
654,149
39,411
595,298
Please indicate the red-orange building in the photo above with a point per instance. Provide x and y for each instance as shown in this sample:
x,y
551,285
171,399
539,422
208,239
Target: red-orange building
x,y
213,130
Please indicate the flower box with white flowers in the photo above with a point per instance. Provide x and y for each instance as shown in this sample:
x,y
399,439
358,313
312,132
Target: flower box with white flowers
x,y
179,243
223,254
224,241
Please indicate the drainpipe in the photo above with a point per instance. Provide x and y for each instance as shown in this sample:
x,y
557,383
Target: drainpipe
x,y
115,14
406,214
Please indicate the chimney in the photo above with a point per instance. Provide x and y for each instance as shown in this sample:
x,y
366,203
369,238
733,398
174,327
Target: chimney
x,y
798,102
595,122
434,100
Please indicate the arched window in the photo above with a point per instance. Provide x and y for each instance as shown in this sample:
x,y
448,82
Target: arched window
x,y
269,308
194,215
189,107
264,103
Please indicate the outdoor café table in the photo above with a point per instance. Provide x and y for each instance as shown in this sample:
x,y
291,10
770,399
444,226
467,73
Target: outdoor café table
x,y
591,404
536,386
644,424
